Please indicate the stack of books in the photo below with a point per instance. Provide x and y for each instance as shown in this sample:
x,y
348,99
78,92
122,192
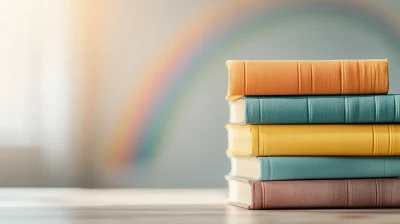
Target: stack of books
x,y
312,134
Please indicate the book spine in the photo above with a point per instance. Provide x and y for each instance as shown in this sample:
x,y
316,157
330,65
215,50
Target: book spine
x,y
343,77
298,168
325,140
350,193
323,109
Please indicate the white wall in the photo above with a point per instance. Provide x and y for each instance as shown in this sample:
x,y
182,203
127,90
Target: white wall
x,y
68,67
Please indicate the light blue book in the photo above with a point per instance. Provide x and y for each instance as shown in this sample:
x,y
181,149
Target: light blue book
x,y
318,167
333,109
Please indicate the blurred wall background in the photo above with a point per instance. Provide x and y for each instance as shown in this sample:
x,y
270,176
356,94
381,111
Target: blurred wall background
x,y
130,93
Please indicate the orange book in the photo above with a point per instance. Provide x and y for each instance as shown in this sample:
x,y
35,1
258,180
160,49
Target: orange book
x,y
307,77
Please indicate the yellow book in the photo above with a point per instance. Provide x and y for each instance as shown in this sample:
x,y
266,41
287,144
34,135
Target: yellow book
x,y
314,140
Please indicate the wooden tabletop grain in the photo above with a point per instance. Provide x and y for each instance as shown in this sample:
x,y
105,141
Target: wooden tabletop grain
x,y
160,206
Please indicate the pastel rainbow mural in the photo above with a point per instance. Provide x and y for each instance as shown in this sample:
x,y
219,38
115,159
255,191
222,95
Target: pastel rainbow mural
x,y
168,78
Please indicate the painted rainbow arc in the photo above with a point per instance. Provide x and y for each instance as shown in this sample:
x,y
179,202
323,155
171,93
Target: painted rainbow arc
x,y
139,132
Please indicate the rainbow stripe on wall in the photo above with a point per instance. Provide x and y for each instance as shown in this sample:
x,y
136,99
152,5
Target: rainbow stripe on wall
x,y
138,133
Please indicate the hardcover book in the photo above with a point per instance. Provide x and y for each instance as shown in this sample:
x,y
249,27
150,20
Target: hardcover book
x,y
314,140
315,167
306,77
339,109
301,194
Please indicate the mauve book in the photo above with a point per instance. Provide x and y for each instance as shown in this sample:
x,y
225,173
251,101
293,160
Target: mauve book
x,y
307,194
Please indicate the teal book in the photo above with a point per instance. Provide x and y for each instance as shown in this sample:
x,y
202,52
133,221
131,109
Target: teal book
x,y
318,167
337,109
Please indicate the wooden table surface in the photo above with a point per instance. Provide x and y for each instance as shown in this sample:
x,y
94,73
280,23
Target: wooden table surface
x,y
160,206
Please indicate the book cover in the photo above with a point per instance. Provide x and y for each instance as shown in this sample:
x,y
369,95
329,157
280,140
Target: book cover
x,y
338,109
314,167
314,140
302,194
306,77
